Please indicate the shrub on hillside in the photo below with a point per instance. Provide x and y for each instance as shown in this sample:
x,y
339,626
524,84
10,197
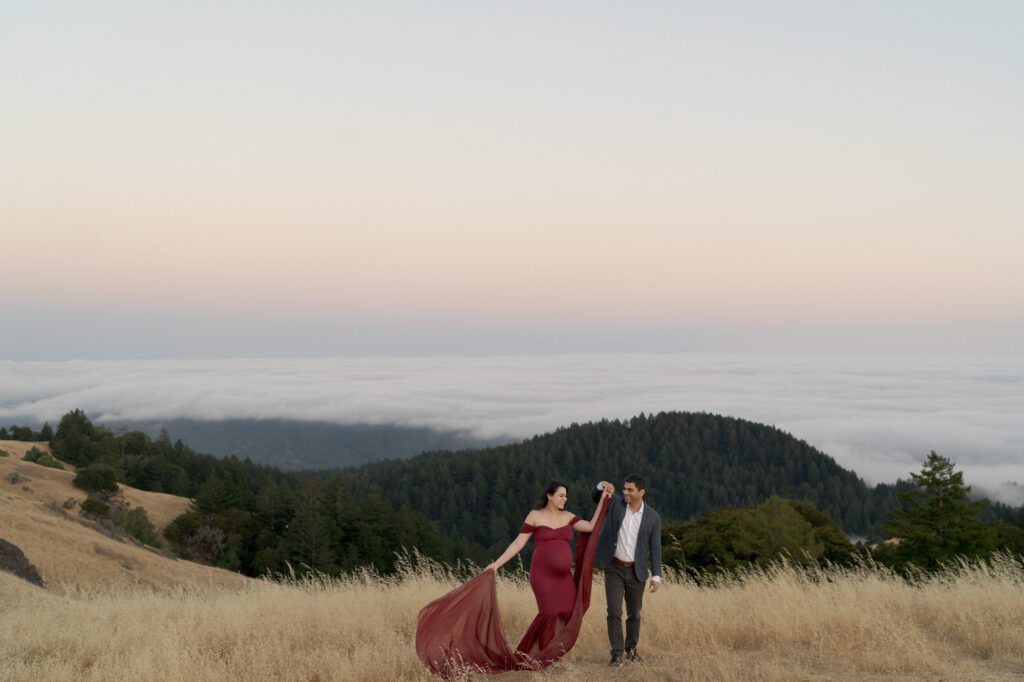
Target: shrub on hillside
x,y
4,453
94,507
97,478
48,461
205,544
732,538
37,456
136,523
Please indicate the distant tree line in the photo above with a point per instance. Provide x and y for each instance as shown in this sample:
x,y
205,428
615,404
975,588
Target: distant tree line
x,y
693,462
731,492
26,434
248,517
291,444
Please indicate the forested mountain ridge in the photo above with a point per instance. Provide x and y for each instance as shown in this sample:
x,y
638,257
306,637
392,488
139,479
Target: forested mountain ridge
x,y
290,444
693,463
466,504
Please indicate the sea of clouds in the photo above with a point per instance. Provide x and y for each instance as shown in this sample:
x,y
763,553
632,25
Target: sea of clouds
x,y
877,415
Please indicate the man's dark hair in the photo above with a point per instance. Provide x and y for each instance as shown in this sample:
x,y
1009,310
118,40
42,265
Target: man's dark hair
x,y
638,481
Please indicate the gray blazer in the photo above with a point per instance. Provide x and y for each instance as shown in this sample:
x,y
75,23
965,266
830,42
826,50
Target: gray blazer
x,y
648,540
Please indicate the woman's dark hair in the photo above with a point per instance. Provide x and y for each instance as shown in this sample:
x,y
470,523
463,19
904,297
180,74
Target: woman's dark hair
x,y
549,489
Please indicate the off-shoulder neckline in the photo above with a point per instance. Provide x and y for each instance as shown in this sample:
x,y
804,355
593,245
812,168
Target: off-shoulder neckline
x,y
544,525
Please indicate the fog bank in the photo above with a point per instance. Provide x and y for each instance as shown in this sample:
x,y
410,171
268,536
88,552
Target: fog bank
x,y
877,415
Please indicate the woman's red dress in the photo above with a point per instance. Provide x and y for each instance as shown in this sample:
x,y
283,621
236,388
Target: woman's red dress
x,y
462,631
551,567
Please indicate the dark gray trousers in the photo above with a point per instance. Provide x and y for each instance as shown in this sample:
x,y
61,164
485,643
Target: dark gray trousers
x,y
620,581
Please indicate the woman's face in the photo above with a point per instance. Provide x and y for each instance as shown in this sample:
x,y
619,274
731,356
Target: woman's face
x,y
558,498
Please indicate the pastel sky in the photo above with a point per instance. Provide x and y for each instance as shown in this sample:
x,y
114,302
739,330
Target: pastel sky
x,y
237,179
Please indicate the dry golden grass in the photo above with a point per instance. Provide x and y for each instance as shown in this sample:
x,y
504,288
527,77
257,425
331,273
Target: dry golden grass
x,y
783,624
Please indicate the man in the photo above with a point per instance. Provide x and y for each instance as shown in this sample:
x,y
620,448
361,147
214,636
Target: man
x,y
630,537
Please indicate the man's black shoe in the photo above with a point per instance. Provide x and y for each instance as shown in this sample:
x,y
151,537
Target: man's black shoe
x,y
633,657
616,659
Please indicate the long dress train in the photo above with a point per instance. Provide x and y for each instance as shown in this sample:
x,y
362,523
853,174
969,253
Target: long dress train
x,y
462,630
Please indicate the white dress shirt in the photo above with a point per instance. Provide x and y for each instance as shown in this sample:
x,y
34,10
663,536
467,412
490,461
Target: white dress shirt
x,y
629,531
625,545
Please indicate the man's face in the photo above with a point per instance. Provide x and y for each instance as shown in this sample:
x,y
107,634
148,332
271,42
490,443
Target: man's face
x,y
630,493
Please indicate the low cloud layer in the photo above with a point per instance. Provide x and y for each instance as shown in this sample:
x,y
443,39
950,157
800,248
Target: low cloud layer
x,y
879,416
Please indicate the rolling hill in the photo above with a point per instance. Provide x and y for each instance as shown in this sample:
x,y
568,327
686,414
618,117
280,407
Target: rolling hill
x,y
68,551
693,463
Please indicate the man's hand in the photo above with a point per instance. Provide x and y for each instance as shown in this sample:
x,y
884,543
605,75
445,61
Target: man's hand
x,y
609,489
654,586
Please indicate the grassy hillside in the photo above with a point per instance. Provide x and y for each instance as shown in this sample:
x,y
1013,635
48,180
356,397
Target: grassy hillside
x,y
69,554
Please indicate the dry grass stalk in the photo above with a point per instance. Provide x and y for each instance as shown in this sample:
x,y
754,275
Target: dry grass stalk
x,y
966,623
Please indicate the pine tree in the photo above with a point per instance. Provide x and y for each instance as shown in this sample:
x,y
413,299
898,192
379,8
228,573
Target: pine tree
x,y
938,522
309,533
73,440
215,495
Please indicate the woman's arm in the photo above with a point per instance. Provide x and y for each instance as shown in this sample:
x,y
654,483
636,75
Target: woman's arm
x,y
512,550
588,526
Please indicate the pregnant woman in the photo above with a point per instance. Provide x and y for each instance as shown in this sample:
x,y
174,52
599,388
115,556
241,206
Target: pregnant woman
x,y
462,630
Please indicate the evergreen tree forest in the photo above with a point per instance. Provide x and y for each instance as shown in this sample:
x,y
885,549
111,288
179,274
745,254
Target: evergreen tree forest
x,y
692,462
26,434
730,492
252,518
